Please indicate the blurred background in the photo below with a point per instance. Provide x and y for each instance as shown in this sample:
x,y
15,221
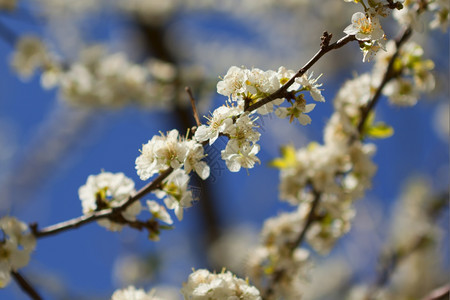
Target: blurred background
x,y
50,142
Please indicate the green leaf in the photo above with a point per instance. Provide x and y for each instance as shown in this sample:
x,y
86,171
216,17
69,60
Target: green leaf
x,y
286,160
380,131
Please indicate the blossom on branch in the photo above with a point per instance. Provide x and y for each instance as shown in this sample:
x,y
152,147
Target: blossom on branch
x,y
203,285
171,151
131,293
175,192
108,190
220,120
16,245
365,28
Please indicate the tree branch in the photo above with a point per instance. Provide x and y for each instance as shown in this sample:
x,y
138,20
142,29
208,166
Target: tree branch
x,y
310,219
388,75
194,108
105,213
25,286
325,47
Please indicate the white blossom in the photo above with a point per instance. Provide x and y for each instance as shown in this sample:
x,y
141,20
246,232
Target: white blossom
x,y
171,151
237,156
441,9
243,130
131,293
30,54
401,92
159,212
99,79
310,84
221,119
408,16
160,153
298,111
233,83
15,247
365,28
203,285
193,159
175,192
107,190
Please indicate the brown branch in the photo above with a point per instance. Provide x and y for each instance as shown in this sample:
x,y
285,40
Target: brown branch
x,y
105,213
310,219
388,75
194,108
325,47
25,286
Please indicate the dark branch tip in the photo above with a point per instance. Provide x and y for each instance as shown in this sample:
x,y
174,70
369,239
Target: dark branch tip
x,y
325,39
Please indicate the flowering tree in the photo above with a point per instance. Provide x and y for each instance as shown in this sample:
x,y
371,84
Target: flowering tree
x,y
178,168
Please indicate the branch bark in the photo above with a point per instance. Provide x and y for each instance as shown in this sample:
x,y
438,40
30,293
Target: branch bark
x,y
105,213
25,286
325,47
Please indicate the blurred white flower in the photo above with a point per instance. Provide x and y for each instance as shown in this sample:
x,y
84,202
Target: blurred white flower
x,y
131,293
15,247
203,285
29,55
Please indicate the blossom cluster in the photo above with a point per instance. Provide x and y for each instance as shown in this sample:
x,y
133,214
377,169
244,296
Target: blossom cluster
x,y
276,258
202,284
131,293
408,15
16,246
245,87
97,79
412,74
330,176
413,240
32,54
183,156
108,190
111,190
335,174
366,26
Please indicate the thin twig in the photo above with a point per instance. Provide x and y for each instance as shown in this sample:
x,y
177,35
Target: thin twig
x,y
194,108
388,75
25,286
105,213
310,219
325,47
